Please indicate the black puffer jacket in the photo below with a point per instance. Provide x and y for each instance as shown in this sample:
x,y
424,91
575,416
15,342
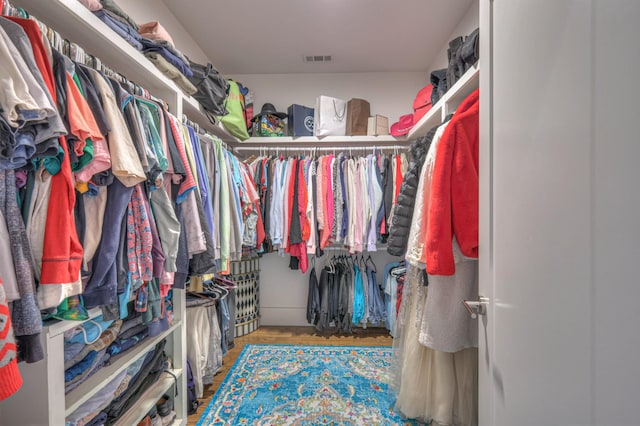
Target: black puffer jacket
x,y
403,211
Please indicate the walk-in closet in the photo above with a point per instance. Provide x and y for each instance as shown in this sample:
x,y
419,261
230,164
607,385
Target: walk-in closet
x,y
328,212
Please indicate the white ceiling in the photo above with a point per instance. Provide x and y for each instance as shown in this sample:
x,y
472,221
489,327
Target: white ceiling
x,y
273,36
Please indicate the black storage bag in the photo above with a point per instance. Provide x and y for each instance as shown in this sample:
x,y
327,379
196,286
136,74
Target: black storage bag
x,y
212,87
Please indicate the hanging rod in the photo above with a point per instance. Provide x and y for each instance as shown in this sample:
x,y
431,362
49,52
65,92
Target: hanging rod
x,y
319,148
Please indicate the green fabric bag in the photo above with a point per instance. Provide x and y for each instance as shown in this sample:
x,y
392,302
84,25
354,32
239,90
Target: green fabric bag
x,y
235,121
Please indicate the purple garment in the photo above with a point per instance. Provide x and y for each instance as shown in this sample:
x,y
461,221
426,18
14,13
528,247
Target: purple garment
x,y
126,32
381,211
150,46
21,178
71,350
203,178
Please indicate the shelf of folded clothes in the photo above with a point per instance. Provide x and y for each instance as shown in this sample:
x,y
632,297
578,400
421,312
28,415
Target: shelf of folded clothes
x,y
83,392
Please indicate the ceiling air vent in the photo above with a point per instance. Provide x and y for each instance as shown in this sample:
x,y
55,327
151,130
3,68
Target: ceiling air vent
x,y
318,58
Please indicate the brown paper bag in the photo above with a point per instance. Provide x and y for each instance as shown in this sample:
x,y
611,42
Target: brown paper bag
x,y
358,111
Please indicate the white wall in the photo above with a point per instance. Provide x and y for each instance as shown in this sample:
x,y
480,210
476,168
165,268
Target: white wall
x,y
390,93
283,292
467,24
143,11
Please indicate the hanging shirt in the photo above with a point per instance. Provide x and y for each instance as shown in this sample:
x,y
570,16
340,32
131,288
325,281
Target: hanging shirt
x,y
375,200
276,206
416,249
320,195
225,216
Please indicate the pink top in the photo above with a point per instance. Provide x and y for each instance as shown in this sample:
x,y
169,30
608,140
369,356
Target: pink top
x,y
328,204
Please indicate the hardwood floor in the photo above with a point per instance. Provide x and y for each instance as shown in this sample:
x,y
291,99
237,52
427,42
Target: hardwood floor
x,y
291,336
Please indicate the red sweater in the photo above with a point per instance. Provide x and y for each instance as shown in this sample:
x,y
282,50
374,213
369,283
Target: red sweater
x,y
453,208
10,378
62,252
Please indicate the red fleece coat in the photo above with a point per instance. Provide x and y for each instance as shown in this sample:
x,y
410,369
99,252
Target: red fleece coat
x,y
453,208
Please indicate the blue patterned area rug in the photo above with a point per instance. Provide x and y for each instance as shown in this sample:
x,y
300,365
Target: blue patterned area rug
x,y
305,385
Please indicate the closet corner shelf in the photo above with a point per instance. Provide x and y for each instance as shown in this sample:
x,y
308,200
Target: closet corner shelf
x,y
192,109
148,399
86,390
78,24
449,101
313,141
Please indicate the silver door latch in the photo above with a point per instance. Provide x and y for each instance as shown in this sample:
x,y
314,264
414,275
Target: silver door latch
x,y
476,307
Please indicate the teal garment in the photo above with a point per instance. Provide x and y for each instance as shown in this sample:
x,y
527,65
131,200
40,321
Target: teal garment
x,y
152,112
358,297
52,164
123,298
153,311
85,158
144,122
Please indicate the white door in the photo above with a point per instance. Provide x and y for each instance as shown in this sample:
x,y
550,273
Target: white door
x,y
560,212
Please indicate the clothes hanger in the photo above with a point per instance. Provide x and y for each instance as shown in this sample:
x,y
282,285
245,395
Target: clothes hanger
x,y
373,265
202,296
225,282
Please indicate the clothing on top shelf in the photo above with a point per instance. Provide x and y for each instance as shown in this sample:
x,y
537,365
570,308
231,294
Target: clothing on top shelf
x,y
151,39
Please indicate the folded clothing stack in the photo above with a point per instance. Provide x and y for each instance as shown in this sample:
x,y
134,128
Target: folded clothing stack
x,y
121,393
97,342
116,19
151,38
159,48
